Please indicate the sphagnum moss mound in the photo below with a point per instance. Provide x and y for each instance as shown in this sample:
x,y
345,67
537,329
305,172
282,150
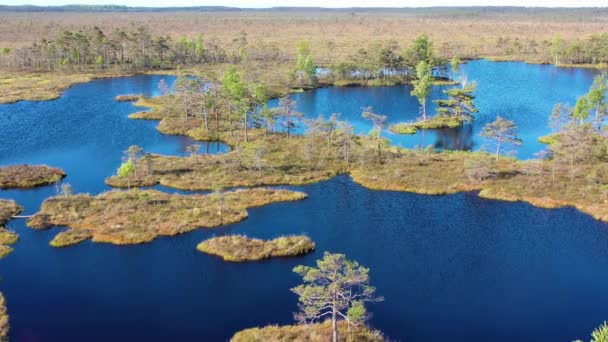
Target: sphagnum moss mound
x,y
239,248
261,156
319,332
28,176
138,216
7,210
4,327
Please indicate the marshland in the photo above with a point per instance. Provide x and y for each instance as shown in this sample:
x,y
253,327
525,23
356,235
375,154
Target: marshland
x,y
462,196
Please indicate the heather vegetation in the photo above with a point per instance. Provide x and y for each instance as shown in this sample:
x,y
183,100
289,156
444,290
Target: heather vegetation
x,y
237,248
3,320
316,332
71,40
138,216
265,152
225,79
28,176
7,237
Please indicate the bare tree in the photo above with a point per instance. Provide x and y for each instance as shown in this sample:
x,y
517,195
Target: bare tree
x,y
502,132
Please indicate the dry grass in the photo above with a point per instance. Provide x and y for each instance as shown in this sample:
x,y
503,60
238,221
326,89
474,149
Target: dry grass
x,y
586,189
436,122
4,327
127,98
7,210
28,176
7,237
424,173
43,86
320,332
285,161
237,248
333,34
131,217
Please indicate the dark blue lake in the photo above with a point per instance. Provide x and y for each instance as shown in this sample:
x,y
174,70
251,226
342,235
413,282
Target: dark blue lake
x,y
450,267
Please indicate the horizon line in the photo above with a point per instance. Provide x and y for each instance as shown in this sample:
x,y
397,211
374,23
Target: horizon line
x,y
308,7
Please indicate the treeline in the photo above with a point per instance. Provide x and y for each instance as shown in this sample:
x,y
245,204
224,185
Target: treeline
x,y
134,49
388,60
593,50
139,48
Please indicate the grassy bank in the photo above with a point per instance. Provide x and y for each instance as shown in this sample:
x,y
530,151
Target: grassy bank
x,y
28,176
320,332
136,216
237,248
273,158
4,327
7,210
16,87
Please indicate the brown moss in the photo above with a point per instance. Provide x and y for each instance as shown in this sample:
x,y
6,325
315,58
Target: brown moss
x,y
70,237
320,332
4,327
136,216
126,98
436,122
43,86
28,176
7,210
5,250
578,190
280,164
8,237
239,248
423,173
307,159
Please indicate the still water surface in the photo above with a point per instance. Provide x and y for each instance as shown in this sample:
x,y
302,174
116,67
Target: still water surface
x,y
450,267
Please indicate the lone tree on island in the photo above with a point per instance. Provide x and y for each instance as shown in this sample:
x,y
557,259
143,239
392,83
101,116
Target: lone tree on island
x,y
422,85
503,132
336,288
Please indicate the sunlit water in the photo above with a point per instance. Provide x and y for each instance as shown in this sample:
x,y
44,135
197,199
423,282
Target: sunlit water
x,y
450,267
520,92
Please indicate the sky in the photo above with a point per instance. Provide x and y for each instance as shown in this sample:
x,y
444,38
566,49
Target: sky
x,y
318,3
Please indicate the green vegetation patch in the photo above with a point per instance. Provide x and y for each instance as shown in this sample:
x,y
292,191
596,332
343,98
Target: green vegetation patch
x,y
320,332
4,327
28,176
7,210
71,237
436,122
136,216
549,139
239,248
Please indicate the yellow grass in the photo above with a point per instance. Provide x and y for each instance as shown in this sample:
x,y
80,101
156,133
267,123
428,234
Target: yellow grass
x,y
237,248
136,216
28,176
4,327
7,237
320,332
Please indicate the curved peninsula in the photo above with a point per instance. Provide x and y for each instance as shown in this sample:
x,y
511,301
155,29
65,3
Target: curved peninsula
x,y
28,176
262,156
239,248
138,216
